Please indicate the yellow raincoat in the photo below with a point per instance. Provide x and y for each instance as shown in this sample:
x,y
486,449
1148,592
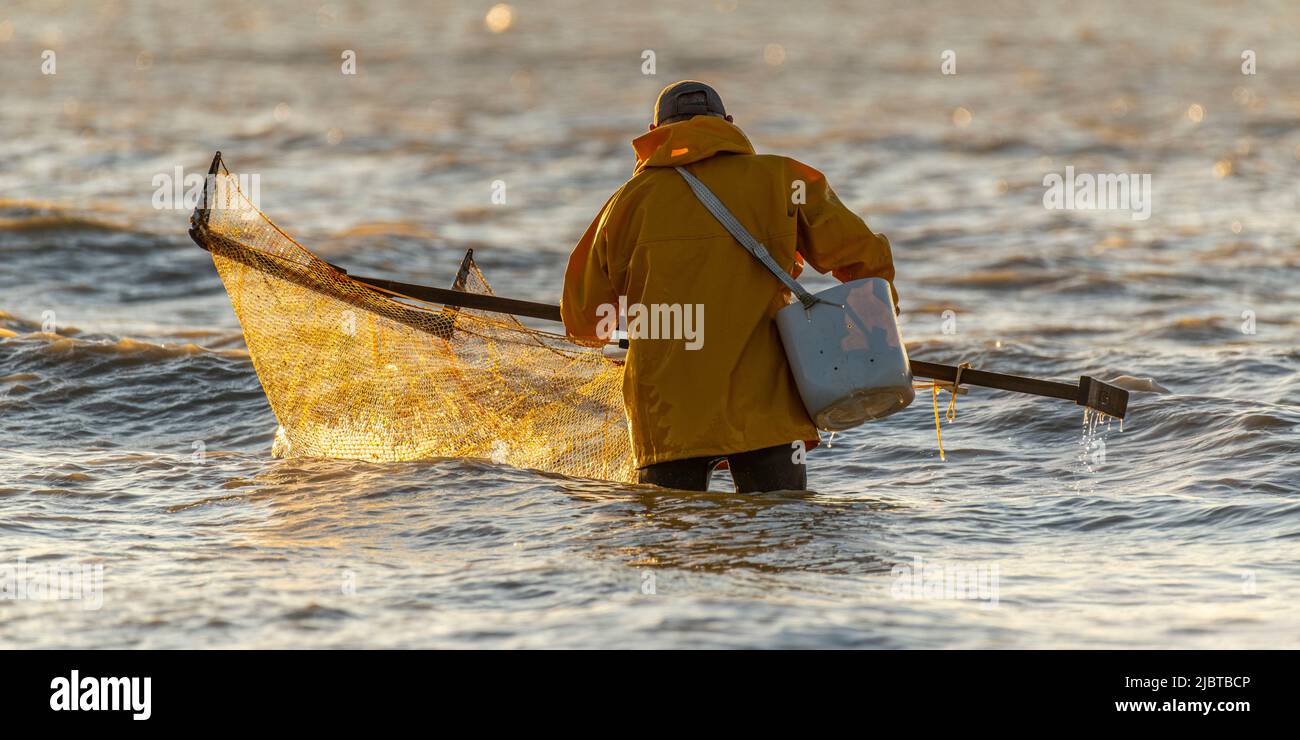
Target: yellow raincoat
x,y
654,243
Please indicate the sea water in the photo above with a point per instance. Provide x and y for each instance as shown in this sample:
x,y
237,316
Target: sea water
x,y
135,436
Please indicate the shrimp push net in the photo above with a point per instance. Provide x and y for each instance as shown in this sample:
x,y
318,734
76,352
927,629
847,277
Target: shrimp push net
x,y
355,373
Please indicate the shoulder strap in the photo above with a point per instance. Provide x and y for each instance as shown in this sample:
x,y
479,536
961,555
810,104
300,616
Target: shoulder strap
x,y
751,245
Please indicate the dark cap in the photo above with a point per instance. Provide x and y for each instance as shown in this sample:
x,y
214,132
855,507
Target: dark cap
x,y
681,100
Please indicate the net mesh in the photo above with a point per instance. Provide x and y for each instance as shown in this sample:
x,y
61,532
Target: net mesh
x,y
354,373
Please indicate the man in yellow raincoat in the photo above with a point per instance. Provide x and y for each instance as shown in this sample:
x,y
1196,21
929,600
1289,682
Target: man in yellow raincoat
x,y
696,398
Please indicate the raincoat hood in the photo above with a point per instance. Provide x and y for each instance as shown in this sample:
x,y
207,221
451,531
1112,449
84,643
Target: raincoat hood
x,y
689,141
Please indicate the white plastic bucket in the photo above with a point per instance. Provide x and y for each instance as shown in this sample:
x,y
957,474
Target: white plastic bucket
x,y
848,359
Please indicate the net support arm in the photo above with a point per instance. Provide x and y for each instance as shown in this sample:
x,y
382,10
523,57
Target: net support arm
x,y
461,299
1090,392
